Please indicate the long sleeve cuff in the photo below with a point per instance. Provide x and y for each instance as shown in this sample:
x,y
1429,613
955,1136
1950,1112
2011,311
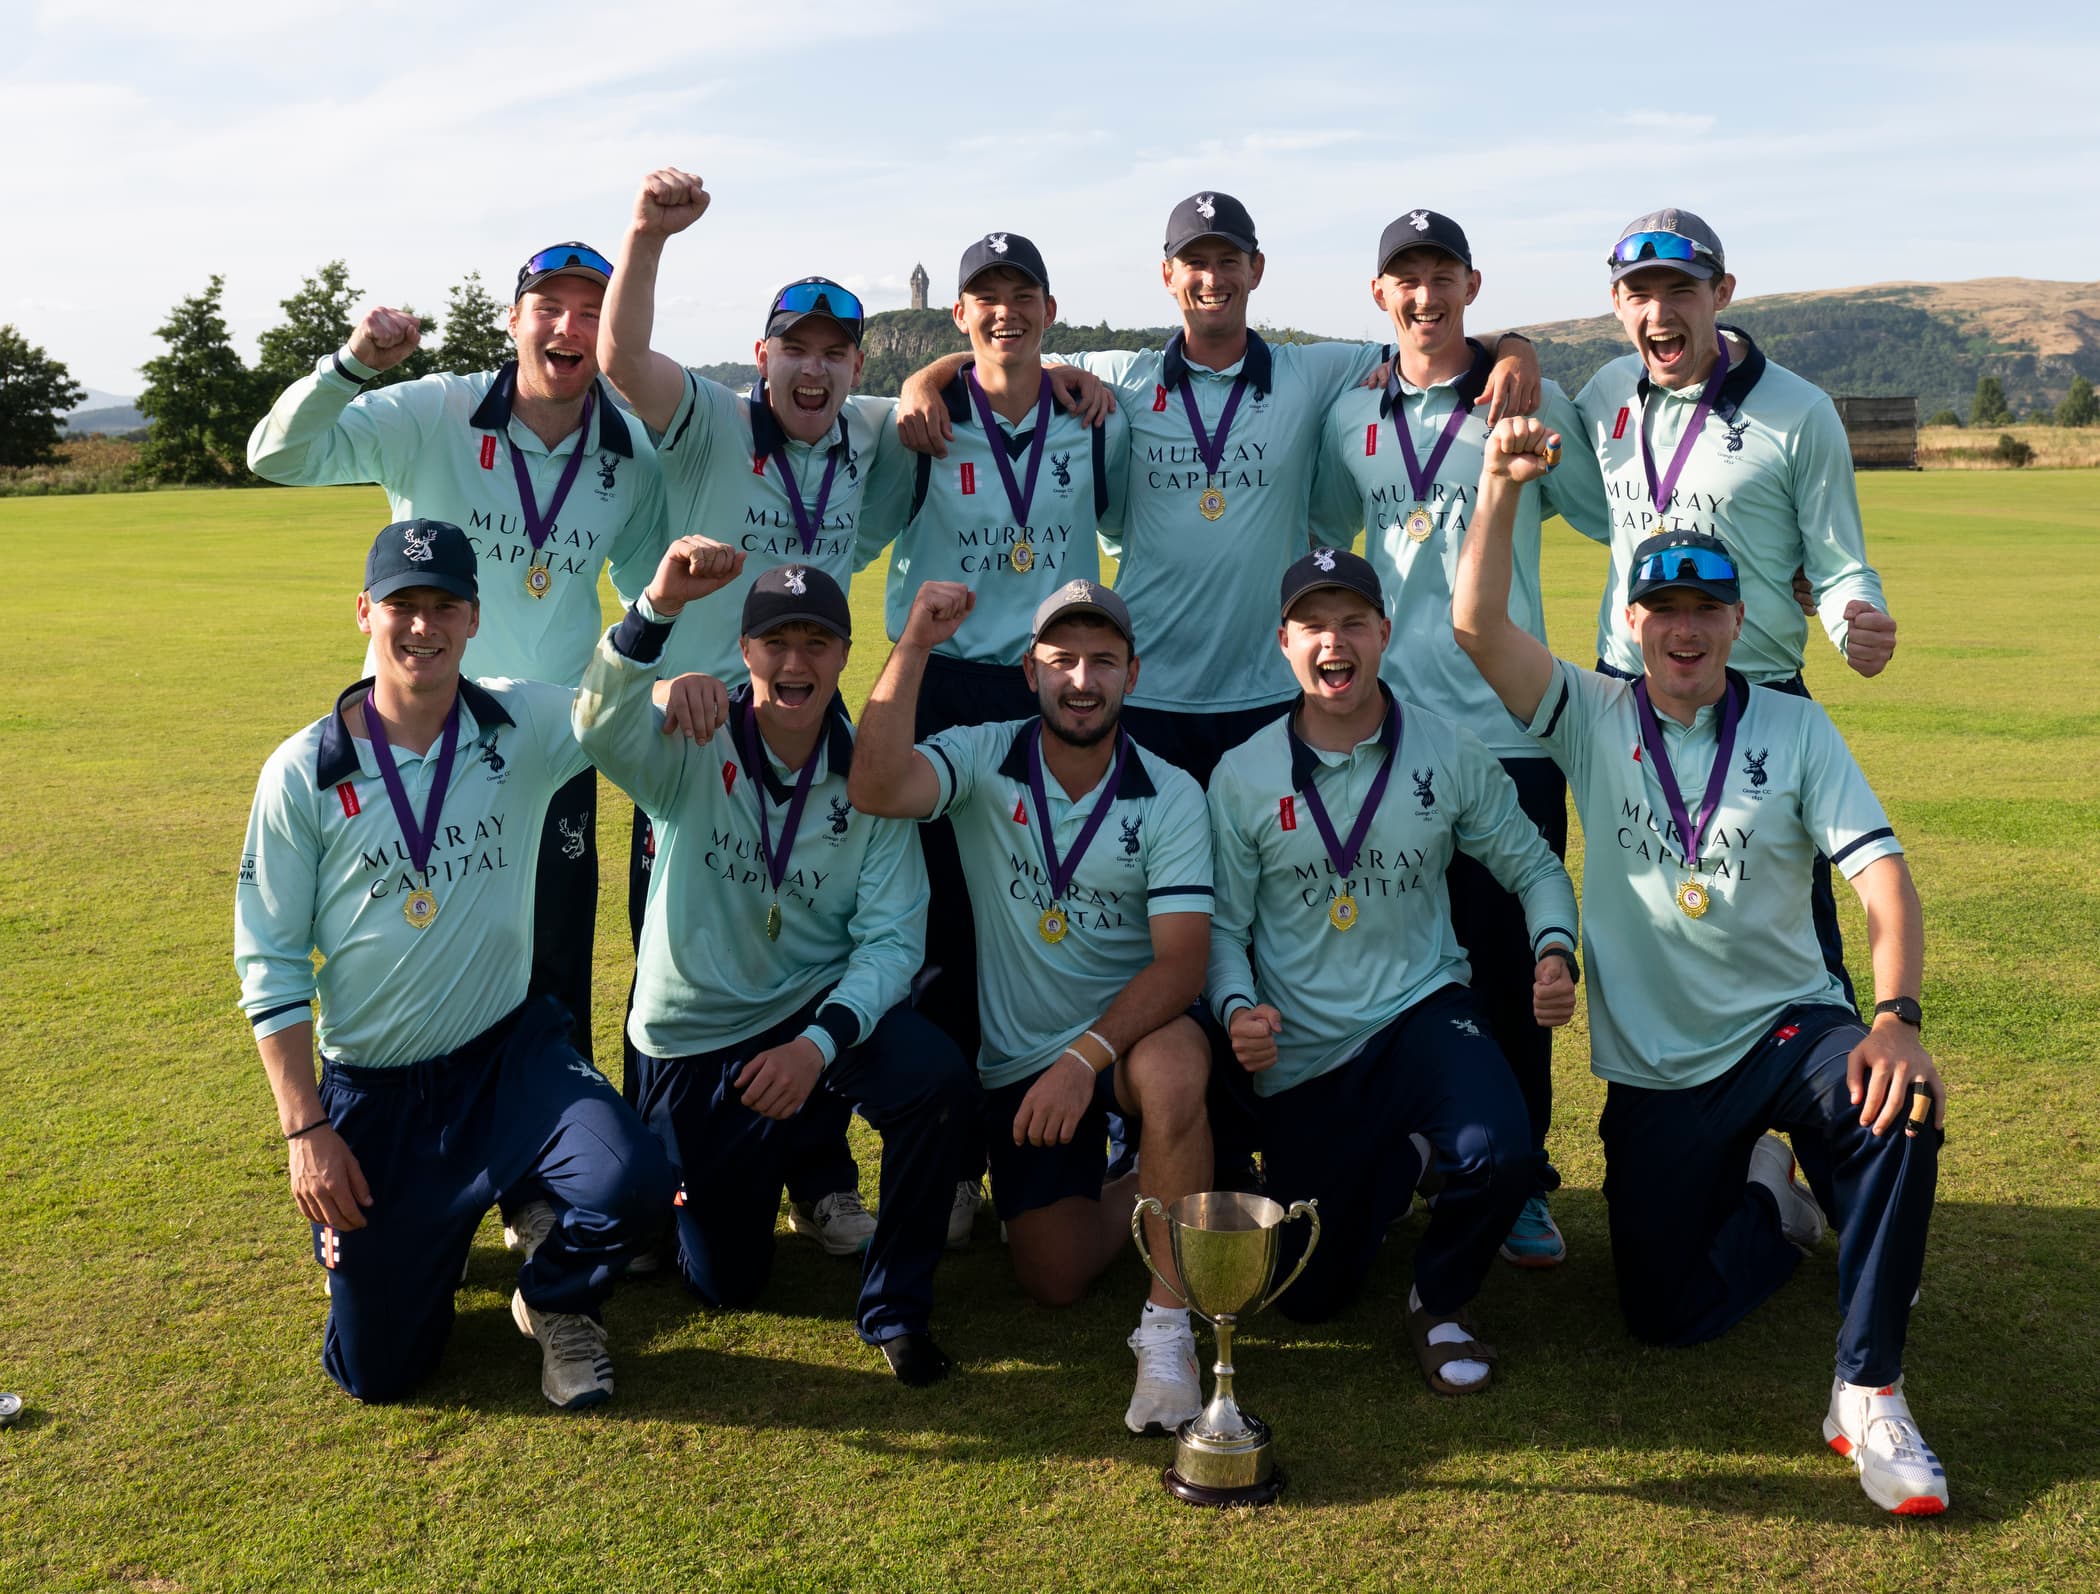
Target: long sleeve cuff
x,y
641,633
835,1028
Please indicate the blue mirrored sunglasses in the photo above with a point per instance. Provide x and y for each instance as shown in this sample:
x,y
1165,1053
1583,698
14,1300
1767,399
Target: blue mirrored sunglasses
x,y
1669,565
564,256
1658,246
817,297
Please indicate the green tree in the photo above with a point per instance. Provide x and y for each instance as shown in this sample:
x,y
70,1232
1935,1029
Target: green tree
x,y
2079,407
475,335
316,323
1989,407
36,395
2012,451
1944,418
199,399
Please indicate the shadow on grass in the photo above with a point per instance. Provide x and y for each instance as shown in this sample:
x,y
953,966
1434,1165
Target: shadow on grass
x,y
2000,1370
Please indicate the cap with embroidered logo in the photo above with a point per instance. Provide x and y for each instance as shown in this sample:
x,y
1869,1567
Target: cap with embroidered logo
x,y
421,553
1210,215
1332,567
1008,249
1082,597
788,594
1423,229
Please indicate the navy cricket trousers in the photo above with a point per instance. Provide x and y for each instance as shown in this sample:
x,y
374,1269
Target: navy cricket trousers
x,y
1431,1082
438,1141
909,1082
1697,1247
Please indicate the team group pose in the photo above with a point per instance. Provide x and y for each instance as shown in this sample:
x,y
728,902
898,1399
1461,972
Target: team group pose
x,y
1247,872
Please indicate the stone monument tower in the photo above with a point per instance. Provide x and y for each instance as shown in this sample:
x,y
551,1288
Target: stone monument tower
x,y
919,283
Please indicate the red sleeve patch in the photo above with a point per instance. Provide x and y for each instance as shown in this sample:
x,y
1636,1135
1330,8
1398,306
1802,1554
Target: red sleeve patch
x,y
347,794
1287,812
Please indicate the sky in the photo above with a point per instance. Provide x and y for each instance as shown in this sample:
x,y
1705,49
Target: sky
x,y
154,143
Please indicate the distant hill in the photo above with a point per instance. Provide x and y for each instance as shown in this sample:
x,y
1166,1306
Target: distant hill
x,y
1929,339
119,418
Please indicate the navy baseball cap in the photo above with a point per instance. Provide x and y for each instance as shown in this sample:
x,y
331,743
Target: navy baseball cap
x,y
1683,559
1332,567
814,296
1676,239
571,259
1082,597
1211,215
1007,249
421,553
787,594
1423,229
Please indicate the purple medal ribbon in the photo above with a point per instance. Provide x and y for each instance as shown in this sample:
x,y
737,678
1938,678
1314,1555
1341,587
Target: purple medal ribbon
x,y
1660,494
755,759
807,522
1689,838
1212,448
1061,872
538,526
420,838
1344,858
1021,498
1420,477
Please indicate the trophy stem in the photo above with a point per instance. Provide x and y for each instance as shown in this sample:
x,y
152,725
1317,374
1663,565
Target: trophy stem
x,y
1222,1419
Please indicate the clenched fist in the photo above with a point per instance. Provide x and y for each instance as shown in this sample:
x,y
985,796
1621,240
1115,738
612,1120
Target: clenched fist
x,y
384,338
669,202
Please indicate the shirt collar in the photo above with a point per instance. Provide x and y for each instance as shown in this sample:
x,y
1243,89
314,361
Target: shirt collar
x,y
838,743
1257,365
1466,387
336,759
1135,782
1305,760
492,414
767,436
1742,376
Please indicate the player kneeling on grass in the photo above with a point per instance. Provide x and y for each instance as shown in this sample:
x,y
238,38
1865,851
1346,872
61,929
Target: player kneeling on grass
x,y
398,837
779,944
1088,866
1713,1018
1357,1048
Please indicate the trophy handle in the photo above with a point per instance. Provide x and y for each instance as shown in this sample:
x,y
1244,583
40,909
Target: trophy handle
x,y
1137,1233
1310,1209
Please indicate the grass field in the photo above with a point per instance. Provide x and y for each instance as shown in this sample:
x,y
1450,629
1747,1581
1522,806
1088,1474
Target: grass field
x,y
160,1311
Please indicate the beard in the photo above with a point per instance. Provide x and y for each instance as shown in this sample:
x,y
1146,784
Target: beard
x,y
1091,736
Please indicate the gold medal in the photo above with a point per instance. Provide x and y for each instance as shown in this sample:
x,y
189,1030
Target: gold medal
x,y
1210,503
1419,523
539,580
419,907
1342,912
1052,927
773,922
1693,899
1022,557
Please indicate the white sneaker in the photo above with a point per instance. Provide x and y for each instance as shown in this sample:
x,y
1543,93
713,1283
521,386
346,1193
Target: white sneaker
x,y
840,1223
575,1372
1873,1428
1800,1219
1169,1380
528,1227
962,1216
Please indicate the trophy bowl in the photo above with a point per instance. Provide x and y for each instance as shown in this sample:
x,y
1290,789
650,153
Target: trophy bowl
x,y
1224,1246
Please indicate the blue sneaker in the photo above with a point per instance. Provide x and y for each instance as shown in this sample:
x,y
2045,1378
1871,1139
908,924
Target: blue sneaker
x,y
1535,1239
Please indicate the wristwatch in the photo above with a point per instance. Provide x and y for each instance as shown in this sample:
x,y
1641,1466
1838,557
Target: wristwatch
x,y
1905,1008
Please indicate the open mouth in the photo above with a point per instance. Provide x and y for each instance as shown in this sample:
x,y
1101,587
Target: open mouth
x,y
1667,349
566,361
1210,301
1080,706
1337,675
793,694
810,400
421,650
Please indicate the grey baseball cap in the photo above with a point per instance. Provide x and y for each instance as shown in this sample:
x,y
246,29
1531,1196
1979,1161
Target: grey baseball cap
x,y
1082,597
1674,239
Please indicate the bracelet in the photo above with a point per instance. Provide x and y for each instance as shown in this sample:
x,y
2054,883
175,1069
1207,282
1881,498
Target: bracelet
x,y
1089,1067
1095,1035
309,1129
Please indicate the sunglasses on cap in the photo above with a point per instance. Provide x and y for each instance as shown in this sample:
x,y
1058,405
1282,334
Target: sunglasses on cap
x,y
817,298
1669,565
1658,246
563,257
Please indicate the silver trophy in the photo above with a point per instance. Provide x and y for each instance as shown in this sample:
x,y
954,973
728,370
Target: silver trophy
x,y
1224,1247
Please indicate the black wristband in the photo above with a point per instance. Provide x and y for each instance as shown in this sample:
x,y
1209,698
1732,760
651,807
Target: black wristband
x,y
1503,337
1905,1009
309,1129
1567,957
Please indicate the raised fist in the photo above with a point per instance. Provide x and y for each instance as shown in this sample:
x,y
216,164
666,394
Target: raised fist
x,y
1521,449
669,202
692,567
937,613
384,338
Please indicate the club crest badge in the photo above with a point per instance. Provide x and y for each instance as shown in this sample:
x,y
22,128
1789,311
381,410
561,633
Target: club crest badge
x,y
1130,835
1419,221
1754,765
1205,208
797,580
1323,559
416,544
1061,468
1422,778
996,242
607,464
841,813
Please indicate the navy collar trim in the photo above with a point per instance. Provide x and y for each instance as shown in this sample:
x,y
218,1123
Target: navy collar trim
x,y
956,395
1742,376
336,760
492,414
838,746
1467,388
1257,365
767,436
1136,780
1305,762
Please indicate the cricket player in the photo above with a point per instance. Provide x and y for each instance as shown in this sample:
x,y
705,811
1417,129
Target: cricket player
x,y
1713,1018
1224,433
782,934
1088,863
1402,463
1697,431
1356,1048
552,484
397,836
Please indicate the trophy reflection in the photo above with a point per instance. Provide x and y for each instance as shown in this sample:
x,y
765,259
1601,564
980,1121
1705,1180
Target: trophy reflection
x,y
1224,1247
